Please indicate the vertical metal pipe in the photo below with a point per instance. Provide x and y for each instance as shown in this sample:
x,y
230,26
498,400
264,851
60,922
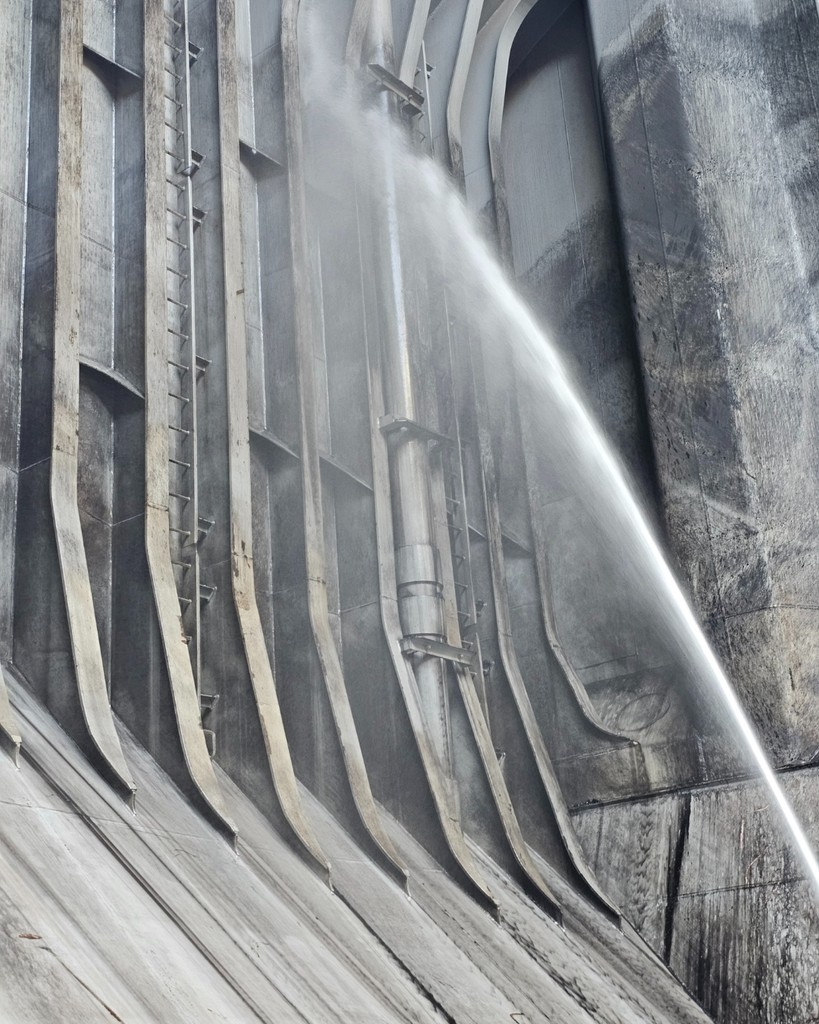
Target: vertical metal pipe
x,y
418,576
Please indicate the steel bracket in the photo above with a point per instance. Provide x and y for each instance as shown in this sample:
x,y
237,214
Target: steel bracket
x,y
438,649
390,424
411,99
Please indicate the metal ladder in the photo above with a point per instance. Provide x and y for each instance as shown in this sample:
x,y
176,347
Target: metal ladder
x,y
469,608
185,366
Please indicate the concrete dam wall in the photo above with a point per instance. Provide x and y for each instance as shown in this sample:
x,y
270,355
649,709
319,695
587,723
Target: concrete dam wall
x,y
324,693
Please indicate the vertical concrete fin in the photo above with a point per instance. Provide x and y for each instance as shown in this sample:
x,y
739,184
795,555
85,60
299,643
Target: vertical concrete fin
x,y
92,686
9,730
415,37
157,528
241,521
511,668
500,793
311,479
357,34
444,805
495,122
457,87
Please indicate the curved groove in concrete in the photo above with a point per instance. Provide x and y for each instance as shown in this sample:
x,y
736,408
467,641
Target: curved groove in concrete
x,y
311,474
241,516
92,686
577,690
157,535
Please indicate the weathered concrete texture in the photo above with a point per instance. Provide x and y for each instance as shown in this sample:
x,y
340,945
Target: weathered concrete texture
x,y
14,66
294,295
708,880
257,936
566,256
726,320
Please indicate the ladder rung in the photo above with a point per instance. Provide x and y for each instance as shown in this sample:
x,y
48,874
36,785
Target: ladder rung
x,y
175,241
179,366
205,526
179,430
178,529
173,127
170,71
179,398
176,302
182,497
175,213
178,334
182,565
173,270
176,184
173,21
179,462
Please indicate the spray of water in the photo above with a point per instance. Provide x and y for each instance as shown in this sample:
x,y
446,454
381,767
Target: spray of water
x,y
352,143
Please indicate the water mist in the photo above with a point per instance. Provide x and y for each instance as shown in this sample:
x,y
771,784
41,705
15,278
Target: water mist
x,y
351,143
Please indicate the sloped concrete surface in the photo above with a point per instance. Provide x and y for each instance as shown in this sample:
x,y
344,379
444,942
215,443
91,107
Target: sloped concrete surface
x,y
109,914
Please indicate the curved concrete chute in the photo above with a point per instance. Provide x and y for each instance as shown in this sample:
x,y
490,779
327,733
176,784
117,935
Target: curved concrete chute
x,y
185,696
325,644
510,27
241,517
92,687
576,686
